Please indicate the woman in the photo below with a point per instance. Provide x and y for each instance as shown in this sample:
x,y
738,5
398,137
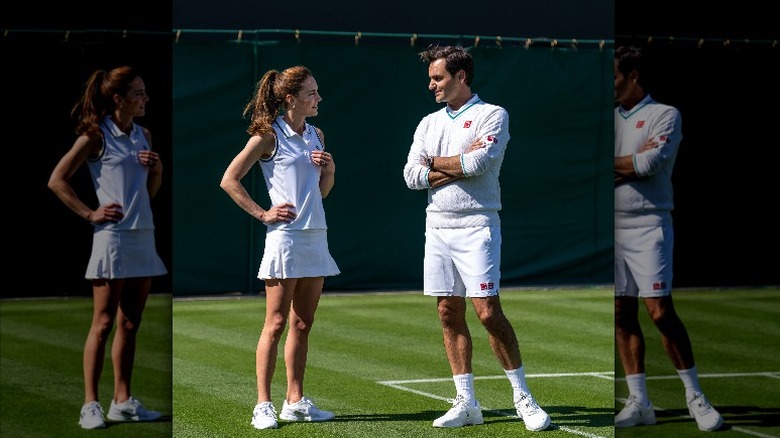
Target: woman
x,y
298,174
126,173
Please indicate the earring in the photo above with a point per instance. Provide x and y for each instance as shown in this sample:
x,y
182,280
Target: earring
x,y
293,106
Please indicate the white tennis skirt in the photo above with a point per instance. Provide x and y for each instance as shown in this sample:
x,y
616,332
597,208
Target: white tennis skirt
x,y
124,254
296,254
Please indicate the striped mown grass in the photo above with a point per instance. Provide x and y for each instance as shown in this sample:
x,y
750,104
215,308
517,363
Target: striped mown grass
x,y
736,343
41,376
378,362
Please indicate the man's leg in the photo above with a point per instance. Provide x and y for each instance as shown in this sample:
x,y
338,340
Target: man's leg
x,y
457,339
457,343
673,333
631,348
503,339
503,342
678,347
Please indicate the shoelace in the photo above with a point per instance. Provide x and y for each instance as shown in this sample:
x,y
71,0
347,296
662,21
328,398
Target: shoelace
x,y
459,400
526,403
267,410
632,400
700,403
95,409
303,404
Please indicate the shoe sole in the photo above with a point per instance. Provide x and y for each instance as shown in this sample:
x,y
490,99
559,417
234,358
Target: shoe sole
x,y
711,429
99,426
703,429
638,423
474,423
543,427
135,418
305,419
471,422
273,426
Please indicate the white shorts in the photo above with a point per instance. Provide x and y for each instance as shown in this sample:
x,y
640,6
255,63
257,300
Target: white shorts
x,y
124,254
464,262
643,261
296,254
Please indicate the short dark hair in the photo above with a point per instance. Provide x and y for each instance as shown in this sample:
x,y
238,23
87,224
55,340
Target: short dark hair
x,y
630,58
456,58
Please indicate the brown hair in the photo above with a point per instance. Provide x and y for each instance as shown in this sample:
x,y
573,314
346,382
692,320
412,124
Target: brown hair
x,y
630,58
269,95
97,100
456,58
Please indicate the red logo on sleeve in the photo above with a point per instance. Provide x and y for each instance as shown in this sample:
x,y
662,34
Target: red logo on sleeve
x,y
491,138
640,124
467,124
663,139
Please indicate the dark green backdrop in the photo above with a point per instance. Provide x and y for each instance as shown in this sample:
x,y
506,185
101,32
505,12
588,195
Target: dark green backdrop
x,y
557,216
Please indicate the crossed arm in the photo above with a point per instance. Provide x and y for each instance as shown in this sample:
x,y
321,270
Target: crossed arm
x,y
624,166
444,170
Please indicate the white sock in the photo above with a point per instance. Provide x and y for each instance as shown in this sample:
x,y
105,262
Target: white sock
x,y
517,379
690,379
637,387
464,385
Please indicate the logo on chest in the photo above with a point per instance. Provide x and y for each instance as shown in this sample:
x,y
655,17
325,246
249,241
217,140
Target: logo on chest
x,y
467,124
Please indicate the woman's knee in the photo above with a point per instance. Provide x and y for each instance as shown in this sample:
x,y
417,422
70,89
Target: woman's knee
x,y
274,324
102,325
302,324
129,325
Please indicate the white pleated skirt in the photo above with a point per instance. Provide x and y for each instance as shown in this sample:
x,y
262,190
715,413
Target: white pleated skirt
x,y
124,254
296,254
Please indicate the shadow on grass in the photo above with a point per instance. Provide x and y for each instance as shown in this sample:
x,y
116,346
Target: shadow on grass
x,y
571,416
163,419
733,416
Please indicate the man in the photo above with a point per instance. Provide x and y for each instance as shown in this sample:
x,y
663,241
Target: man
x,y
456,155
647,136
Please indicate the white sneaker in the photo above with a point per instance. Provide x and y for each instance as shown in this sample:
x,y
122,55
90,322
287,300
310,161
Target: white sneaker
x,y
264,416
462,413
131,410
533,416
304,410
707,418
92,416
634,414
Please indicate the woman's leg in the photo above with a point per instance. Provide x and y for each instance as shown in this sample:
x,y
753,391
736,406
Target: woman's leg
x,y
131,306
306,298
278,296
105,302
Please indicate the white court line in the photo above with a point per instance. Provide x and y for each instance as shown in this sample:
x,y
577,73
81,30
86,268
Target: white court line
x,y
750,432
773,374
602,374
399,384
